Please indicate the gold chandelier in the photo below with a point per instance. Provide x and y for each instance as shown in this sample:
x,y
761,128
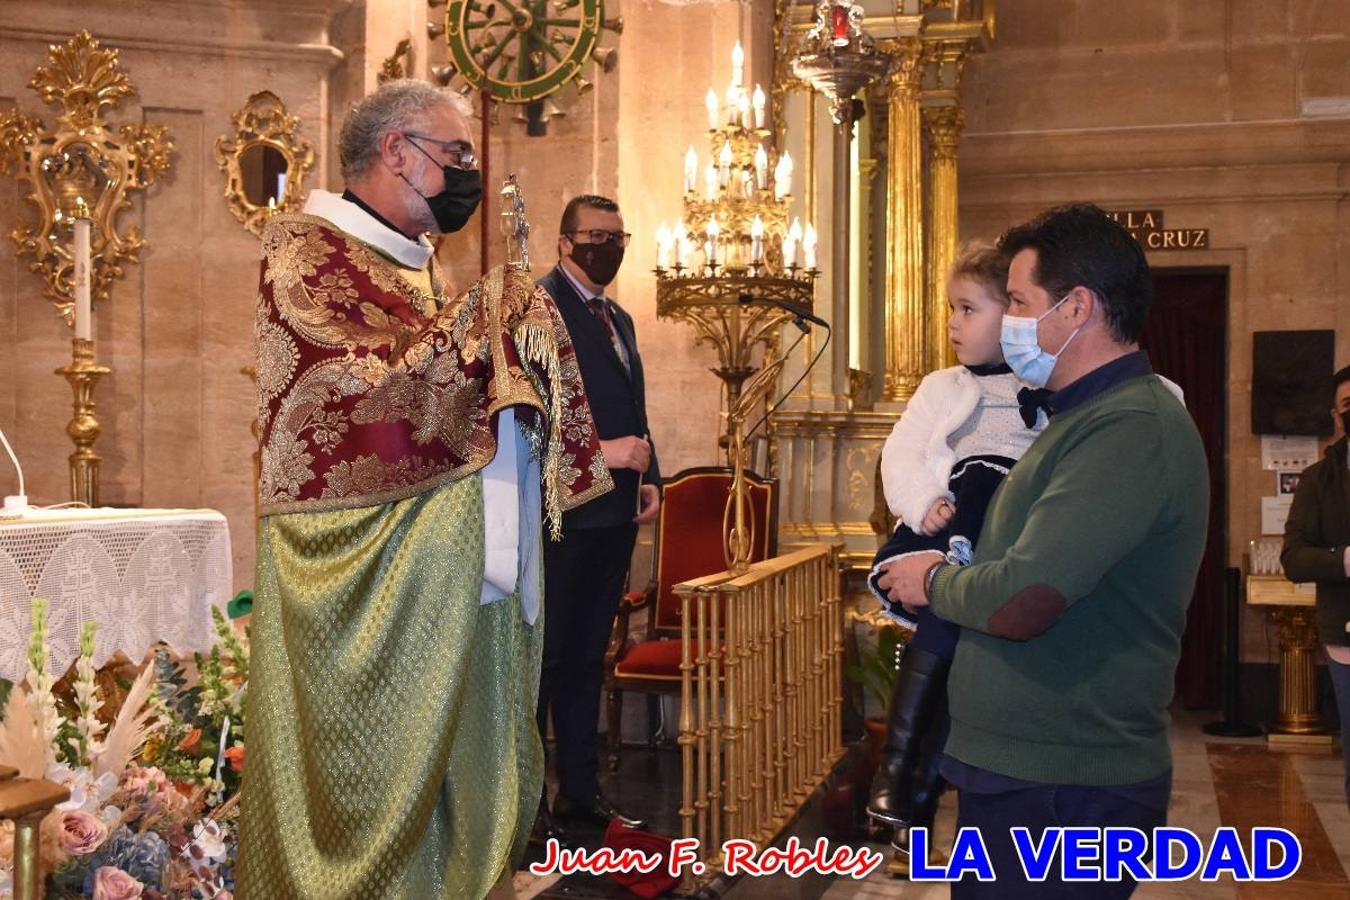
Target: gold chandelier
x,y
734,266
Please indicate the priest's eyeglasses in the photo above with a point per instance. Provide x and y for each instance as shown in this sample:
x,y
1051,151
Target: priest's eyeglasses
x,y
457,153
600,236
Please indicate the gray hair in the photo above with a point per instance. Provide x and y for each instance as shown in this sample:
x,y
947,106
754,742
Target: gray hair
x,y
398,105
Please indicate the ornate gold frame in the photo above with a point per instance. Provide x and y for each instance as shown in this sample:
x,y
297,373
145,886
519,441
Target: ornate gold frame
x,y
83,157
263,122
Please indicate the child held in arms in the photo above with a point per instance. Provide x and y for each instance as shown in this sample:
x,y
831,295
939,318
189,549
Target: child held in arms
x,y
960,434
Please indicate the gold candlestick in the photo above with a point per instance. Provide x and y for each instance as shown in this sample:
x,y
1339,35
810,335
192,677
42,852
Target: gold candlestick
x,y
83,374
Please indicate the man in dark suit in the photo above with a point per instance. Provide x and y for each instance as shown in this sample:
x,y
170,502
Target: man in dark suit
x,y
586,572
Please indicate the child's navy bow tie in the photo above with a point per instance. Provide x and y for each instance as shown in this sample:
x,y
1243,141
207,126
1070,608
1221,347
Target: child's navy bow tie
x,y
1030,401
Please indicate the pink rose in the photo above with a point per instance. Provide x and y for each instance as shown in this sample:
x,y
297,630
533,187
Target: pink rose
x,y
111,883
81,833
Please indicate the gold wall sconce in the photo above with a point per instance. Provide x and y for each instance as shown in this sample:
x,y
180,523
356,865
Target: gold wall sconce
x,y
83,161
265,162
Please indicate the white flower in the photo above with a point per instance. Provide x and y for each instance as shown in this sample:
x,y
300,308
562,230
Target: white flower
x,y
209,839
86,792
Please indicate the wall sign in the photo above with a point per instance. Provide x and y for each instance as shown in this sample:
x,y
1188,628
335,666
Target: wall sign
x,y
1146,227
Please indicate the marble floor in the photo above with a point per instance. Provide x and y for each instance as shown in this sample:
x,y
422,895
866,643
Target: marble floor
x,y
1216,782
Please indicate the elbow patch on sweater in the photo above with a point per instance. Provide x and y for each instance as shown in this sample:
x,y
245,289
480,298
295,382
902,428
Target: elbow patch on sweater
x,y
1031,611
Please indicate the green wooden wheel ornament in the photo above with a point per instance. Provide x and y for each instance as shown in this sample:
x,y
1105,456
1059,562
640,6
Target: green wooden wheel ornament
x,y
521,51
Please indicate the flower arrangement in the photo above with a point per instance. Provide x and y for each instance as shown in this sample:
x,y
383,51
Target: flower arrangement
x,y
153,786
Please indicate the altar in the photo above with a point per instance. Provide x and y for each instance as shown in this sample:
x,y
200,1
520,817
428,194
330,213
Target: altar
x,y
141,575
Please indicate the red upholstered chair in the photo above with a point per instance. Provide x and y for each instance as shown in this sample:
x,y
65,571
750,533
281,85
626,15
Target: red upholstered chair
x,y
689,543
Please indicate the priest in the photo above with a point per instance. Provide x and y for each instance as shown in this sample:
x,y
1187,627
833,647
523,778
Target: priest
x,y
415,444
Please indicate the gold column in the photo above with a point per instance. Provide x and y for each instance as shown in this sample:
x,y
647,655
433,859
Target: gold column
x,y
943,127
1298,718
905,357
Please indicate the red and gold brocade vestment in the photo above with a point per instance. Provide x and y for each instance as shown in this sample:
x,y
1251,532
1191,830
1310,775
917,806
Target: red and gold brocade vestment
x,y
392,749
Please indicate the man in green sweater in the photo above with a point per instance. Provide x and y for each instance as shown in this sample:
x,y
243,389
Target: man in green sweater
x,y
1073,609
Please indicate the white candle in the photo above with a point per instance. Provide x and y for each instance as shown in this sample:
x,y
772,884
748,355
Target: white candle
x,y
743,110
84,311
795,237
733,107
724,163
737,64
690,170
710,182
761,168
789,251
714,232
683,246
759,107
663,247
711,101
757,241
782,176
809,246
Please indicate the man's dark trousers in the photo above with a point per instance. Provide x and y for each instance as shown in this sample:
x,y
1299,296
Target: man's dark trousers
x,y
585,574
1036,809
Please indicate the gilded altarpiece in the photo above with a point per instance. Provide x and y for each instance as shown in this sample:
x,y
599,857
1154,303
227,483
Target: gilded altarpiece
x,y
903,202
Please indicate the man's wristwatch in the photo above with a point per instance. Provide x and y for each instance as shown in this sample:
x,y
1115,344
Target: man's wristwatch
x,y
928,577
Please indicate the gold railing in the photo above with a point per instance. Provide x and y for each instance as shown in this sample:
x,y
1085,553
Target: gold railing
x,y
26,802
761,697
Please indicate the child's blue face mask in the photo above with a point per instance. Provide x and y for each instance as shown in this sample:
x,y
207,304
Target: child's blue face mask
x,y
1022,347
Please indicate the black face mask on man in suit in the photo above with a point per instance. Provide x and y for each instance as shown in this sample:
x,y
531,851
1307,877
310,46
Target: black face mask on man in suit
x,y
600,262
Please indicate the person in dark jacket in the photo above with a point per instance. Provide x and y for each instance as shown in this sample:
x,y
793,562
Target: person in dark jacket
x,y
1317,549
585,573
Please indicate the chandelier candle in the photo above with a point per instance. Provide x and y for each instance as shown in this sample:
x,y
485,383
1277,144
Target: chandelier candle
x,y
782,177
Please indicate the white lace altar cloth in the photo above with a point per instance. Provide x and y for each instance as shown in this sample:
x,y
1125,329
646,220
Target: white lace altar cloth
x,y
143,575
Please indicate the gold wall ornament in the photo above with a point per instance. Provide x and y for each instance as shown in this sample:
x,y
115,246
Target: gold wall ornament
x,y
265,162
82,157
397,64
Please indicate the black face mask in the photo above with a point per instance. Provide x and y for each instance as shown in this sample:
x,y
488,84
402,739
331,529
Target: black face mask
x,y
454,206
600,262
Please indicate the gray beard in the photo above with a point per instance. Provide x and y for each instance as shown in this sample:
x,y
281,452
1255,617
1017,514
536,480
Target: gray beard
x,y
415,205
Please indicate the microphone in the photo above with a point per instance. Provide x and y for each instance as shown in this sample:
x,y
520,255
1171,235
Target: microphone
x,y
797,311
